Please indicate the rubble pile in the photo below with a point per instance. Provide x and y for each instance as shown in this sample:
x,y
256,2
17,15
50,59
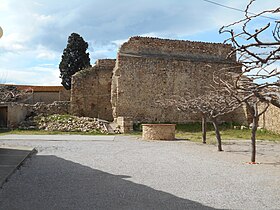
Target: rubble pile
x,y
66,123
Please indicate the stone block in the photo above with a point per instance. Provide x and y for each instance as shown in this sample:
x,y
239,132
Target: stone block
x,y
158,131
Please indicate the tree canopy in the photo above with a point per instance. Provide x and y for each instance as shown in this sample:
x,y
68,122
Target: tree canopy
x,y
74,59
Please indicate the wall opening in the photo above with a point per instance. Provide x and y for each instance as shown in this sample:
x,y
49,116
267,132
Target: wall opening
x,y
3,117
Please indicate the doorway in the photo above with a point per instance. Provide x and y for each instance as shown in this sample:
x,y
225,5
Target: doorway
x,y
3,116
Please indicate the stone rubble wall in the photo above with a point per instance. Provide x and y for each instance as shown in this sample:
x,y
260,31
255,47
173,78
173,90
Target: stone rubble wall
x,y
69,124
91,91
138,80
146,46
48,97
158,131
17,112
270,120
57,107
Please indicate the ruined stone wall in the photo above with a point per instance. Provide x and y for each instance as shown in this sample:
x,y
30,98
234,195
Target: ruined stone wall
x,y
147,67
46,97
57,107
91,91
182,50
64,95
50,97
270,120
18,112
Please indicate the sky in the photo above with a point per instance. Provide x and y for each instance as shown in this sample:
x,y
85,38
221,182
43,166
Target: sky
x,y
36,31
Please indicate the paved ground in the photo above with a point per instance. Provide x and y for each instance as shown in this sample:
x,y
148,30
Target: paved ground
x,y
128,173
10,159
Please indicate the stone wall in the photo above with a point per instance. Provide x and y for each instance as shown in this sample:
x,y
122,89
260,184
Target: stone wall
x,y
15,114
49,97
46,97
45,94
18,112
270,120
57,107
147,67
189,50
91,91
158,131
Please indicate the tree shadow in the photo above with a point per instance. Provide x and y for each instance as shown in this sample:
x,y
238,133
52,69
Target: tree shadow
x,y
272,163
50,182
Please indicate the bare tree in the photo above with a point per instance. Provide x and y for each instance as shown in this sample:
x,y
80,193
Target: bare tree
x,y
256,39
211,106
245,93
10,93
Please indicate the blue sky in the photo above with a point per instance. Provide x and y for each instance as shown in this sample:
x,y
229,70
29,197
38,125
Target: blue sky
x,y
36,31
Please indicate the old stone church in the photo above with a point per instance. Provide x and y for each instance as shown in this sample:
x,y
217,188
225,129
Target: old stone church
x,y
145,67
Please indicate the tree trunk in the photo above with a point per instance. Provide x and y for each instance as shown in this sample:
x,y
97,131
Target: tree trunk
x,y
204,126
218,136
253,138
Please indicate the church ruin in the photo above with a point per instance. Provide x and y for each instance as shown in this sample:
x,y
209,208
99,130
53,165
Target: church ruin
x,y
144,68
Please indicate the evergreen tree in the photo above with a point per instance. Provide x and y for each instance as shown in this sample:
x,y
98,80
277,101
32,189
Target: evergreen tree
x,y
74,59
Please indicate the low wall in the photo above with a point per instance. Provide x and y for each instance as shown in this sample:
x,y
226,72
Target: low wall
x,y
158,131
17,112
57,107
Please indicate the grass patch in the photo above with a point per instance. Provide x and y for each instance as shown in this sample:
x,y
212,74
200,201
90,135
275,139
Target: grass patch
x,y
228,134
192,132
44,132
189,131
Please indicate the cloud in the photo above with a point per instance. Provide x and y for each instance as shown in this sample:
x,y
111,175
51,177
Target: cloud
x,y
33,76
37,30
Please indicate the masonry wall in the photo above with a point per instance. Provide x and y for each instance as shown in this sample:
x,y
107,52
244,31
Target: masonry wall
x,y
46,97
51,96
18,112
147,67
91,91
270,120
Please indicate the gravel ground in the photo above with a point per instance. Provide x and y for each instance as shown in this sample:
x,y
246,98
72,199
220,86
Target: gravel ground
x,y
129,173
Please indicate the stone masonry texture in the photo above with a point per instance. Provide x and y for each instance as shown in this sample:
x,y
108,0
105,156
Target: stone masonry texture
x,y
91,91
270,119
148,67
158,131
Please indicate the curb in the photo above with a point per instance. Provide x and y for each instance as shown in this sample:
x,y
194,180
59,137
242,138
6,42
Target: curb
x,y
8,170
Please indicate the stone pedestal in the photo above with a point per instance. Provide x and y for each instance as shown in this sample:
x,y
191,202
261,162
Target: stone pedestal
x,y
125,124
158,131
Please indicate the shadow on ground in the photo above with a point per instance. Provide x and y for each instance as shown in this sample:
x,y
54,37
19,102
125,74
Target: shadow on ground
x,y
10,160
49,182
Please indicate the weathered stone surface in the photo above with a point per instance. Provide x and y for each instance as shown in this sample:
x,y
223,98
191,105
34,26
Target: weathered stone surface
x,y
124,125
270,120
65,123
17,112
158,131
91,91
147,67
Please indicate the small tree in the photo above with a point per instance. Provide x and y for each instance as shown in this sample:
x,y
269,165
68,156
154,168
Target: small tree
x,y
244,90
215,103
74,59
256,39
